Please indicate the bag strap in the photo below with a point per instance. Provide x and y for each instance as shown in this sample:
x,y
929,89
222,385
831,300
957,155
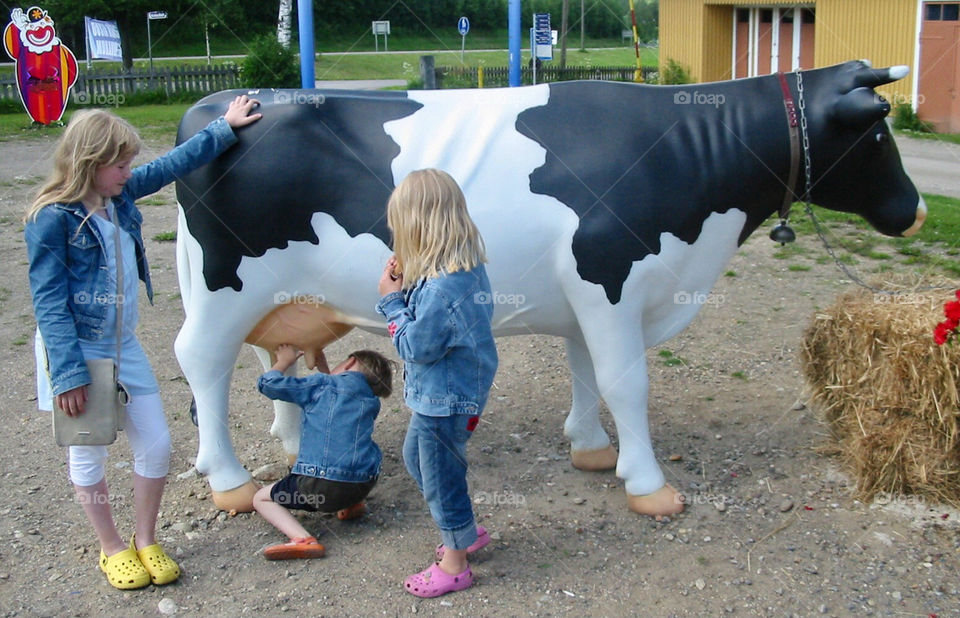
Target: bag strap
x,y
119,295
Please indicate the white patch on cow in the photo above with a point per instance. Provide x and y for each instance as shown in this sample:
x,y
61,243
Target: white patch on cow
x,y
472,135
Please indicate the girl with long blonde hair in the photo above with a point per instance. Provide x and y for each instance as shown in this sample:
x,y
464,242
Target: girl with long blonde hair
x,y
83,237
436,298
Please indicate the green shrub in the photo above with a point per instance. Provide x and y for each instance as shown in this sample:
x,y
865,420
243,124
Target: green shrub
x,y
906,119
674,73
270,65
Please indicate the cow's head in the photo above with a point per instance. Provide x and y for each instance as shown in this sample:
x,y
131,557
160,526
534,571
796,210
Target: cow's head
x,y
856,166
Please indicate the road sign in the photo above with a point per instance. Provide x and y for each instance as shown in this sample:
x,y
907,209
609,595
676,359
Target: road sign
x,y
542,37
157,15
463,25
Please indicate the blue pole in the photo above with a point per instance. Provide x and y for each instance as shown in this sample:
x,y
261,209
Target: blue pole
x,y
305,18
513,39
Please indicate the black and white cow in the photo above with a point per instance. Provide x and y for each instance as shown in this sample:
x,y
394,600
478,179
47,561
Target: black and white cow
x,y
605,208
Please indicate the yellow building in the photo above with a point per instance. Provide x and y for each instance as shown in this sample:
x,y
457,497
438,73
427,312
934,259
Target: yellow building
x,y
728,39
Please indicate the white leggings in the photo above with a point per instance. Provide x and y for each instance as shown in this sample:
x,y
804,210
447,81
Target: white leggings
x,y
149,438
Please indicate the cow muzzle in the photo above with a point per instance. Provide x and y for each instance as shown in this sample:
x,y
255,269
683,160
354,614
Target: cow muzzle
x,y
918,222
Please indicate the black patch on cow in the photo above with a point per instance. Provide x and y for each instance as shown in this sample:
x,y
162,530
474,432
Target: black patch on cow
x,y
312,151
636,161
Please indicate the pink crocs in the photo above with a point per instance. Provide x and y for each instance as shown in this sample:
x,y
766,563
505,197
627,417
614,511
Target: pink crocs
x,y
434,582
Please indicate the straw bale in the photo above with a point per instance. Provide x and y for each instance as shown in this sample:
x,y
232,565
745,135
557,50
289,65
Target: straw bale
x,y
887,392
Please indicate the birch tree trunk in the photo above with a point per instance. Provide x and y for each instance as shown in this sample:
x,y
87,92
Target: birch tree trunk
x,y
283,22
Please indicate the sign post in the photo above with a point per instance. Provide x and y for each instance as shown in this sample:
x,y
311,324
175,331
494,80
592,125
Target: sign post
x,y
541,41
380,27
152,15
463,25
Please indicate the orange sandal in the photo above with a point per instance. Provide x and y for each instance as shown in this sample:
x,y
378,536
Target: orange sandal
x,y
307,547
352,512
124,570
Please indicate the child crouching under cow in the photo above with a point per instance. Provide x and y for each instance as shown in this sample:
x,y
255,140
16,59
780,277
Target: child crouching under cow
x,y
338,463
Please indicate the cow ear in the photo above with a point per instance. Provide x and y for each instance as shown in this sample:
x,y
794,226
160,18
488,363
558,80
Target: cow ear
x,y
871,78
860,108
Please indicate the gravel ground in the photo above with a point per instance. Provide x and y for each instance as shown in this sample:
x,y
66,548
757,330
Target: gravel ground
x,y
772,526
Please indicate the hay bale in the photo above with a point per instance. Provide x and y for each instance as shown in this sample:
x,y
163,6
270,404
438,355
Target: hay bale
x,y
888,392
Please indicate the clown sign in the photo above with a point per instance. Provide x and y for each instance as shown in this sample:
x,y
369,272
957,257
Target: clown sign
x,y
46,69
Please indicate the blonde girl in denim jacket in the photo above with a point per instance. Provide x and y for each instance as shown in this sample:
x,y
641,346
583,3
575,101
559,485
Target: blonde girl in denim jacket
x,y
73,269
435,297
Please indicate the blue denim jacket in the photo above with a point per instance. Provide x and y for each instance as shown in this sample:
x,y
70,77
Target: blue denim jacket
x,y
336,423
442,332
68,278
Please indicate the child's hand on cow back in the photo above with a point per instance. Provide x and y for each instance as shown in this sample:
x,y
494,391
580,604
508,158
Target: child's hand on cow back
x,y
390,281
238,112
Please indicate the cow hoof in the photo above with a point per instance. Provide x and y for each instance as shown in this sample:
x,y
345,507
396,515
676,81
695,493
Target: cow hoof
x,y
595,460
664,501
236,500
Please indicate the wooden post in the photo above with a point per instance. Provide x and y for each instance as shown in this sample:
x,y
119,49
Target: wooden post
x,y
427,73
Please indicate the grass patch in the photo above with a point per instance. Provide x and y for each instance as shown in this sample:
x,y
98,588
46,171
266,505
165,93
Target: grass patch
x,y
667,358
153,122
730,273
166,236
153,201
798,268
740,375
22,340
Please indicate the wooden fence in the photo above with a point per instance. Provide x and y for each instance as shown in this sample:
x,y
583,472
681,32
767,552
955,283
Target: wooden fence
x,y
109,88
494,77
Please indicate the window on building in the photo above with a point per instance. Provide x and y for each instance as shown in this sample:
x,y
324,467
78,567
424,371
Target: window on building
x,y
942,11
743,15
809,16
766,16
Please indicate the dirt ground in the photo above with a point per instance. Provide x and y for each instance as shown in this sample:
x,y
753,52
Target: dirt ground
x,y
771,528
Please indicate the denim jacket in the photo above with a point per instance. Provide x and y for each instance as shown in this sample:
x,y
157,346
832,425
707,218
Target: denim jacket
x,y
441,329
336,423
68,278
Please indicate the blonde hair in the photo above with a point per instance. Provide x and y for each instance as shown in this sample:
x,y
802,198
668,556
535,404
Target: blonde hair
x,y
432,230
93,138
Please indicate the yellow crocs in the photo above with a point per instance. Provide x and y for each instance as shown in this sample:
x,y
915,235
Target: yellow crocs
x,y
160,567
124,570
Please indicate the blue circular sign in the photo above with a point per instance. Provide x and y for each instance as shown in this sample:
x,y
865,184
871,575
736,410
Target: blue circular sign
x,y
463,25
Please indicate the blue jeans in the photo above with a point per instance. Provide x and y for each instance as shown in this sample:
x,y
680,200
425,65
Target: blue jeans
x,y
434,452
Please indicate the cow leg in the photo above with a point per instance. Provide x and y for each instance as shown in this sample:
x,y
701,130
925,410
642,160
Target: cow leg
x,y
620,366
206,353
590,447
286,415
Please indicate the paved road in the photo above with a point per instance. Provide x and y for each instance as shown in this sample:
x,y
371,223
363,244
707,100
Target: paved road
x,y
933,165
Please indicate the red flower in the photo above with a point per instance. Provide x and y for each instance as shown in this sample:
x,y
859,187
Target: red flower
x,y
944,330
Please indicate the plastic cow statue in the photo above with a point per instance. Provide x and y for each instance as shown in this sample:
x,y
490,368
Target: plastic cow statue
x,y
607,210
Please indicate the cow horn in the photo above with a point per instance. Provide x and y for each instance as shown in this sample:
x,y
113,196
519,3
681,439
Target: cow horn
x,y
871,78
860,108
